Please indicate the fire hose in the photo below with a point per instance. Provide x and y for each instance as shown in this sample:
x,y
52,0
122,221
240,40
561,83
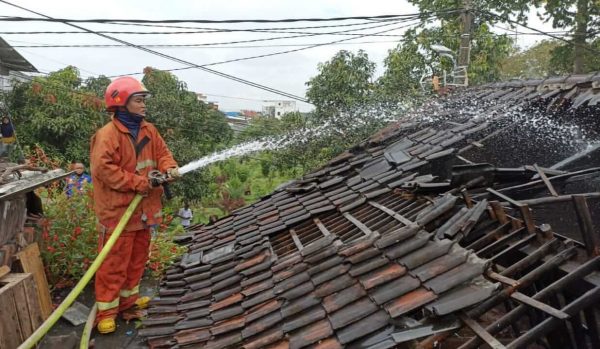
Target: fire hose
x,y
156,178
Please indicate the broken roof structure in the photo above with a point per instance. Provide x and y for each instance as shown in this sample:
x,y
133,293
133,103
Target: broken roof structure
x,y
426,234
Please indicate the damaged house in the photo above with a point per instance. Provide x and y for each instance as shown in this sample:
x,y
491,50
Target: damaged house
x,y
475,228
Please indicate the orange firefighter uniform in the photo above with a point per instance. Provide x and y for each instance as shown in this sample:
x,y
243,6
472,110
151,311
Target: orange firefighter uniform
x,y
120,167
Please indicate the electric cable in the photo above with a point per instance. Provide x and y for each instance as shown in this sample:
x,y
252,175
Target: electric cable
x,y
212,71
585,47
280,52
116,21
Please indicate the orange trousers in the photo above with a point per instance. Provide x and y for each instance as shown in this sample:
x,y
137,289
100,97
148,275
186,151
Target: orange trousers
x,y
118,278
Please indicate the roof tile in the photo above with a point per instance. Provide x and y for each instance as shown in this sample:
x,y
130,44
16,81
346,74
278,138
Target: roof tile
x,y
228,325
352,312
309,316
409,301
382,275
343,297
263,339
262,324
394,289
310,334
358,329
193,336
335,285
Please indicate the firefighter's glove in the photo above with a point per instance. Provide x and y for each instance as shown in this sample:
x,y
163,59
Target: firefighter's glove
x,y
173,173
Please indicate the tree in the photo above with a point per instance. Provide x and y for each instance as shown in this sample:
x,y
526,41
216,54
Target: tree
x,y
342,82
584,23
534,62
57,112
190,128
413,58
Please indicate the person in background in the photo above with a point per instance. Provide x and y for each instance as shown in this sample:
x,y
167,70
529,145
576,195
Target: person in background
x,y
185,213
123,153
78,180
8,135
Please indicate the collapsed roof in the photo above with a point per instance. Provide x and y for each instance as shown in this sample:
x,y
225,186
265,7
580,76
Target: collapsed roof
x,y
412,237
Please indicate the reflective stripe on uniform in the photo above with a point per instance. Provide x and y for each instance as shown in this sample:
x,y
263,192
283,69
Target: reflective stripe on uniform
x,y
108,305
145,163
129,293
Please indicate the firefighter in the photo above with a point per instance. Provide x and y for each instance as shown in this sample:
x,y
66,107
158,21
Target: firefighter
x,y
122,154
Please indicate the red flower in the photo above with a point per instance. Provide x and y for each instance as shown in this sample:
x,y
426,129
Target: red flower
x,y
50,249
77,231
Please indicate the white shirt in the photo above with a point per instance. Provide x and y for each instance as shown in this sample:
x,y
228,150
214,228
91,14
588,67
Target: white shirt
x,y
186,216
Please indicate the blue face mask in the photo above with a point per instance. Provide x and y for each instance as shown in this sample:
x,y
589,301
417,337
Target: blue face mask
x,y
131,121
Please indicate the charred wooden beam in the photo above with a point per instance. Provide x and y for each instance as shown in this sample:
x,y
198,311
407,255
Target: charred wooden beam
x,y
539,306
587,299
481,332
532,258
557,199
546,181
584,218
519,311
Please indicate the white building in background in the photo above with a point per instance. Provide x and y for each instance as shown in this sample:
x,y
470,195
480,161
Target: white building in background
x,y
277,109
12,66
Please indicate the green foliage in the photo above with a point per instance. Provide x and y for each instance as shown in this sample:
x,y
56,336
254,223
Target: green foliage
x,y
163,251
69,239
342,82
562,57
190,128
58,112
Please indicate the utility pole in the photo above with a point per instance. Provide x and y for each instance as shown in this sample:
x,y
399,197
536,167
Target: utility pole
x,y
464,53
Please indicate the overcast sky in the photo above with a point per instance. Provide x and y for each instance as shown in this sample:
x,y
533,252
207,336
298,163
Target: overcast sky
x,y
288,72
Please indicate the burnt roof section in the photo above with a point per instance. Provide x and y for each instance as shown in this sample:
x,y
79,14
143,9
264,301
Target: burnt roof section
x,y
26,181
12,59
386,245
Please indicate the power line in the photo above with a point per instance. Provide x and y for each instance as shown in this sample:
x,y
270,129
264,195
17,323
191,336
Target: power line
x,y
117,21
548,34
212,71
282,52
302,35
197,30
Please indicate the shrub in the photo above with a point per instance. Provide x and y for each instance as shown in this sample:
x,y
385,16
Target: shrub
x,y
163,251
69,239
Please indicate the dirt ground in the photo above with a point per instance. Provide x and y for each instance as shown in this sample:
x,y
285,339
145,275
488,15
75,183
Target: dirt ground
x,y
64,335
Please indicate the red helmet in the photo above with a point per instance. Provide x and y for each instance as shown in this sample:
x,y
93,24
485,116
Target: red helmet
x,y
121,89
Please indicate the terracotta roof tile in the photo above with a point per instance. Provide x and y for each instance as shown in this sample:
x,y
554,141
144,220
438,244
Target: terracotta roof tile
x,y
310,334
287,273
263,309
352,312
309,316
262,324
345,296
335,285
297,291
227,325
299,304
382,275
193,336
263,339
394,289
222,342
235,298
358,329
328,343
226,313
409,301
